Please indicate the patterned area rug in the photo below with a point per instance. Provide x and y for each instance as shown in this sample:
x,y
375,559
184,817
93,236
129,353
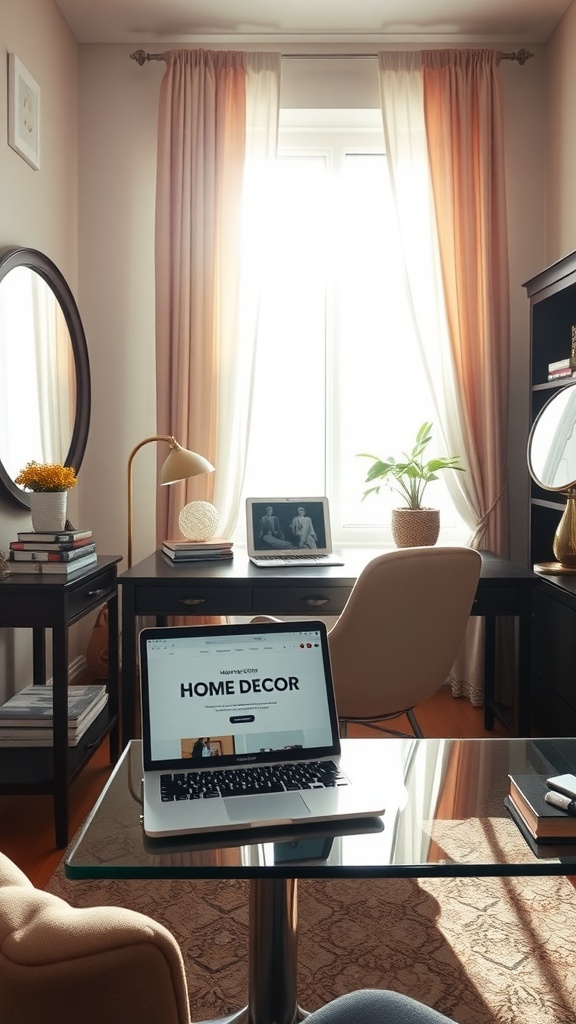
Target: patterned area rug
x,y
479,950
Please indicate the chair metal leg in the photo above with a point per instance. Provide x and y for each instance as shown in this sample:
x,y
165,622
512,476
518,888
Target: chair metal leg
x,y
412,719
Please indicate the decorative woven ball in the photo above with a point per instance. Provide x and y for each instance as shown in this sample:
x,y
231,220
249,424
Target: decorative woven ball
x,y
198,520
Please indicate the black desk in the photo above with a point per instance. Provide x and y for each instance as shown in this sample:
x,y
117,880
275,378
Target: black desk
x,y
41,602
445,817
158,588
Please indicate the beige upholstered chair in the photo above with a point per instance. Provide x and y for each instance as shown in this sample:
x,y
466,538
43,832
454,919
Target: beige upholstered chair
x,y
102,965
108,965
400,632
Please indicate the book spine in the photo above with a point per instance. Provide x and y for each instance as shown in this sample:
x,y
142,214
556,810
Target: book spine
x,y
55,538
55,568
16,555
560,364
45,545
560,374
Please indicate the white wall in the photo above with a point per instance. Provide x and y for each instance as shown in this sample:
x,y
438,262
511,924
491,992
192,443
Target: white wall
x,y
38,209
561,140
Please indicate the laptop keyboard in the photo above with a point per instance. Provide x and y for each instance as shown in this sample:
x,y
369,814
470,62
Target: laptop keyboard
x,y
281,778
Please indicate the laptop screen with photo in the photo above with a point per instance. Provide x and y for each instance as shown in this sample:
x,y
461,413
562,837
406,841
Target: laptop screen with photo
x,y
288,526
227,695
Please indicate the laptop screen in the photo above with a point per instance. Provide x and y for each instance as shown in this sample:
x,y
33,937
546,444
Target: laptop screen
x,y
236,694
289,526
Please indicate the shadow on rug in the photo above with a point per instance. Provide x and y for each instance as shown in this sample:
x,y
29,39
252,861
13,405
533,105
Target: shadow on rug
x,y
479,950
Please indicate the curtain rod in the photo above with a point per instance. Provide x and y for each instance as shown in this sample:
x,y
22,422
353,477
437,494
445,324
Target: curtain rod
x,y
141,57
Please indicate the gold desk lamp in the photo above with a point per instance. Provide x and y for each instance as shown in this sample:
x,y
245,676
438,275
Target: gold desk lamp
x,y
180,465
552,465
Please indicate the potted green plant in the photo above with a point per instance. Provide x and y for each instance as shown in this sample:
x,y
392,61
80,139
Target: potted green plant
x,y
413,524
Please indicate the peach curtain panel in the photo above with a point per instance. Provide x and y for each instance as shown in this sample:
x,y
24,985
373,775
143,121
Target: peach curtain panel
x,y
201,148
444,135
465,135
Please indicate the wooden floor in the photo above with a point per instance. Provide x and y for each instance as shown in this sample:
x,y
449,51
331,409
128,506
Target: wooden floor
x,y
26,823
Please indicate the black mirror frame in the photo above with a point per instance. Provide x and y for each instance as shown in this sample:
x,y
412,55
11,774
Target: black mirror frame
x,y
42,265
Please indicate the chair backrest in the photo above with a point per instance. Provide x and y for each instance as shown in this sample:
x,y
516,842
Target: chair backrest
x,y
401,630
61,965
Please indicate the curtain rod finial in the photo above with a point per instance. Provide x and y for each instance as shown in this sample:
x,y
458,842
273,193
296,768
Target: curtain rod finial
x,y
521,56
140,56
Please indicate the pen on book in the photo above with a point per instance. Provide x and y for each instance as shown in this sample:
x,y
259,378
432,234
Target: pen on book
x,y
565,803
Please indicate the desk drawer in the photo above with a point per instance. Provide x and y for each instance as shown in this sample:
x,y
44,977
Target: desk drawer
x,y
192,599
310,600
92,593
496,601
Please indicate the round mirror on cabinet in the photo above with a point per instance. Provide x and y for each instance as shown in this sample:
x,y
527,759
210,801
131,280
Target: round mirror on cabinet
x,y
44,369
552,465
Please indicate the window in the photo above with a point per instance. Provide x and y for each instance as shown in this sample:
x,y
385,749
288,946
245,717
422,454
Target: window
x,y
337,369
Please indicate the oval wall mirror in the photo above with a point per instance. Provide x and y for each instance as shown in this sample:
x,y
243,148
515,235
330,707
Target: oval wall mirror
x,y
552,442
552,464
45,395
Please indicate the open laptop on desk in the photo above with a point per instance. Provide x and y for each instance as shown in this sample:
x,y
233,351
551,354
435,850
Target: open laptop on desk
x,y
239,729
289,532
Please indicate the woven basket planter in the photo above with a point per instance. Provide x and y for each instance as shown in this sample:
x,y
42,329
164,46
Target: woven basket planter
x,y
415,527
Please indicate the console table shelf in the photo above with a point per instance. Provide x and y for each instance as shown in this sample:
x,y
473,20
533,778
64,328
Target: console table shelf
x,y
48,602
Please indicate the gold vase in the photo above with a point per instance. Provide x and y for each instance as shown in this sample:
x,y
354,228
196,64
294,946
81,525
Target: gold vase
x,y
564,545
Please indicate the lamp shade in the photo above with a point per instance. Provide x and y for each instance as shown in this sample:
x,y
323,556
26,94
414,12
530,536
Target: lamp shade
x,y
182,463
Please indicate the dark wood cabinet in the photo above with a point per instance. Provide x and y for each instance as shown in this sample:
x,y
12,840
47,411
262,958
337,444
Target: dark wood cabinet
x,y
553,679
51,603
552,295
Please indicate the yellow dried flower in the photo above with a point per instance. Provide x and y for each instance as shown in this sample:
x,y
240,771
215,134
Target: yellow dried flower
x,y
37,476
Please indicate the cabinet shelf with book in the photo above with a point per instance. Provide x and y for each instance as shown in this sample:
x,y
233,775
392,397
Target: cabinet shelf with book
x,y
54,603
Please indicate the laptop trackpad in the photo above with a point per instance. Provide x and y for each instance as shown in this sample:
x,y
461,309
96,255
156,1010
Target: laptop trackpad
x,y
266,808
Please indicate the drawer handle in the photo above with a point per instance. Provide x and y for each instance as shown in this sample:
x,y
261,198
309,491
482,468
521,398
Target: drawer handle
x,y
96,593
315,602
192,600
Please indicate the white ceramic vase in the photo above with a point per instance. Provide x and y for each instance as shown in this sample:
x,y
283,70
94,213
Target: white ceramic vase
x,y
48,511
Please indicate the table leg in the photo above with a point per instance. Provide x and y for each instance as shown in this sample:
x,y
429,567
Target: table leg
x,y
272,956
60,732
489,670
129,669
273,952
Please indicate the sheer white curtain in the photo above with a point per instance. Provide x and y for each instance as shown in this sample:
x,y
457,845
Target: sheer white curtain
x,y
402,94
238,358
402,101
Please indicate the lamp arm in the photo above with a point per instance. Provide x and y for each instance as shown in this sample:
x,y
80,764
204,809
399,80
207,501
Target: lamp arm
x,y
147,440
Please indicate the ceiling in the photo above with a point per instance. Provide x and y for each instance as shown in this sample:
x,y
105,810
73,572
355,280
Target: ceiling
x,y
312,21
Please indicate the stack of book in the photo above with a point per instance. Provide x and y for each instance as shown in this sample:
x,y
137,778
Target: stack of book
x,y
26,719
538,821
197,550
561,369
64,553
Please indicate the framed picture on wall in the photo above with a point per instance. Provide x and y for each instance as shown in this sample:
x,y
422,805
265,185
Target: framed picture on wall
x,y
23,112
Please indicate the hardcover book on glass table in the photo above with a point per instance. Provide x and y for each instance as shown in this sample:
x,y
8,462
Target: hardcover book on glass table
x,y
533,815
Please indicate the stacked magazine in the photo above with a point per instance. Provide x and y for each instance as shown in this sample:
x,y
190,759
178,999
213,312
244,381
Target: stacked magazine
x,y
26,719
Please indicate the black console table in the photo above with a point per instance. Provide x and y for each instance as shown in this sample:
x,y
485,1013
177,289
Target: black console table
x,y
157,587
41,602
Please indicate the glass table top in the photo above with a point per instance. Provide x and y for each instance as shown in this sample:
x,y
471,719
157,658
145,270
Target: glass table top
x,y
445,816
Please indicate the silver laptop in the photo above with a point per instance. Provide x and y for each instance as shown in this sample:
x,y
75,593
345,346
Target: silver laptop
x,y
289,531
239,729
